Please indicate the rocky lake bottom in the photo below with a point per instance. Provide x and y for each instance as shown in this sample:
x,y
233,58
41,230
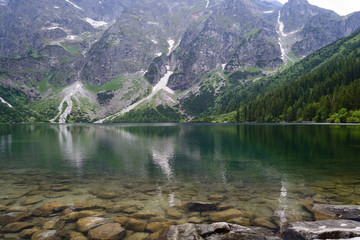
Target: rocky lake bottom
x,y
58,206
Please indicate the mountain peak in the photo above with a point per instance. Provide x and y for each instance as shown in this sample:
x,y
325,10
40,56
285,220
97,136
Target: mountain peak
x,y
297,2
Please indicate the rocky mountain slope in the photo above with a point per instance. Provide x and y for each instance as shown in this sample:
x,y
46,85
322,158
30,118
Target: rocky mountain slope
x,y
77,60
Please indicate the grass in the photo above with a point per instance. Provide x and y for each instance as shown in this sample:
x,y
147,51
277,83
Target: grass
x,y
114,84
44,85
72,50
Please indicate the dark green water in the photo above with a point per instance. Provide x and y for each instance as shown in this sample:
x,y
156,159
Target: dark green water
x,y
261,168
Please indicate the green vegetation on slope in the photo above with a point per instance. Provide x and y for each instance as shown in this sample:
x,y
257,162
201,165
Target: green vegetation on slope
x,y
160,113
326,93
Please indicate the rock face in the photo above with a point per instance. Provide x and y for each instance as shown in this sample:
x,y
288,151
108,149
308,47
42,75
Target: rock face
x,y
325,212
315,27
330,229
215,231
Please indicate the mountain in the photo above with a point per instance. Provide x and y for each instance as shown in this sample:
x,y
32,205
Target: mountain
x,y
167,60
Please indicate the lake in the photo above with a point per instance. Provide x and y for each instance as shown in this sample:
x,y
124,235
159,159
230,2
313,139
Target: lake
x,y
267,170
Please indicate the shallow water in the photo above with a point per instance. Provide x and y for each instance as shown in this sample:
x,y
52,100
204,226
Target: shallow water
x,y
266,169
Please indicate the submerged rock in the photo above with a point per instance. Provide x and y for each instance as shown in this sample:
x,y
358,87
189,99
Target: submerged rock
x,y
32,200
265,222
135,225
45,235
157,226
215,231
326,212
329,229
13,217
201,206
16,227
110,231
27,233
48,209
224,216
85,224
144,214
173,213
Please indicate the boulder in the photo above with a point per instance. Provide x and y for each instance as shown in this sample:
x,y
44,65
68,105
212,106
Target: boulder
x,y
87,223
138,236
16,227
328,229
326,212
110,231
48,209
215,231
201,206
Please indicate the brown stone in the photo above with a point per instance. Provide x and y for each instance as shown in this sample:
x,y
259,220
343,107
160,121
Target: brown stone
x,y
240,221
195,220
201,206
157,226
3,207
122,220
84,206
45,235
144,214
173,213
54,224
85,224
60,188
16,227
110,231
13,217
107,195
216,197
17,209
138,236
27,233
32,200
224,216
265,222
48,209
135,225
54,194
74,216
76,236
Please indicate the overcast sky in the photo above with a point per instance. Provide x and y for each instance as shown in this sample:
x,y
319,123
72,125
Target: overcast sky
x,y
342,7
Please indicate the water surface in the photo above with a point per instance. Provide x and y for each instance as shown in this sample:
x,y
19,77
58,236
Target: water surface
x,y
266,169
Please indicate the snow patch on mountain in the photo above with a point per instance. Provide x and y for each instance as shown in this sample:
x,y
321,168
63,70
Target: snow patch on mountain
x,y
95,24
76,6
171,43
5,102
